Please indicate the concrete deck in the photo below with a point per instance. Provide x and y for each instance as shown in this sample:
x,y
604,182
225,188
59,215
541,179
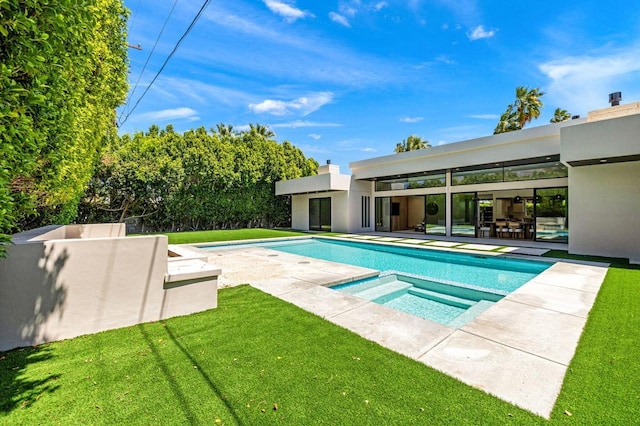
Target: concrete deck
x,y
517,350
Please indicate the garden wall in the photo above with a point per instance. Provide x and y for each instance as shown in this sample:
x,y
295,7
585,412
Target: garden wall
x,y
52,289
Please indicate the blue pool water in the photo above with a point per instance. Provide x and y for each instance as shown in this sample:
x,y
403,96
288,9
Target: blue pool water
x,y
475,270
446,287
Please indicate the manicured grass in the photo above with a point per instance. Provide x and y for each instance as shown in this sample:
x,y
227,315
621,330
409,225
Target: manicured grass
x,y
228,235
602,385
258,360
253,360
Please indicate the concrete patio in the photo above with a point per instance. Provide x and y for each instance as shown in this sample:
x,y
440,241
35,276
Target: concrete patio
x,y
517,350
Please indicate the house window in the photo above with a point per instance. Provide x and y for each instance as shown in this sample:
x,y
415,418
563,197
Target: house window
x,y
366,212
432,180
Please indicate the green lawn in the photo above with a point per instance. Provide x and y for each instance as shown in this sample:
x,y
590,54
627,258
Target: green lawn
x,y
228,235
258,360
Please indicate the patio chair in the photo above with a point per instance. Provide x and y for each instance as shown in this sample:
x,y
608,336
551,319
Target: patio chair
x,y
516,230
501,228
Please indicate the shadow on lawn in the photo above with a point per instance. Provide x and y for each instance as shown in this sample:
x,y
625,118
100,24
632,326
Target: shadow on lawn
x,y
16,391
184,405
38,295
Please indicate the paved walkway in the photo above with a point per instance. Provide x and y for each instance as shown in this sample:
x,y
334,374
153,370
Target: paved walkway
x,y
517,350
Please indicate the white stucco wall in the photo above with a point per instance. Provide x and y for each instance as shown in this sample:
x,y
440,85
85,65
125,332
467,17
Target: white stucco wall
x,y
300,212
604,210
52,289
529,143
316,183
357,191
339,210
605,139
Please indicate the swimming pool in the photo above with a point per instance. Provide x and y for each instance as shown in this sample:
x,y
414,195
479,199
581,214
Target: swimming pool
x,y
432,284
489,272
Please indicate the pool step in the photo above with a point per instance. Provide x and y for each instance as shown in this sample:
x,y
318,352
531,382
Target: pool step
x,y
442,298
383,292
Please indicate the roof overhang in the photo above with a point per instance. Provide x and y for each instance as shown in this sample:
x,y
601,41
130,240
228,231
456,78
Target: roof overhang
x,y
320,183
612,140
537,142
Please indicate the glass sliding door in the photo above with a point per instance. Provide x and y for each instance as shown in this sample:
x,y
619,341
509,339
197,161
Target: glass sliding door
x,y
383,214
551,214
320,214
463,214
436,214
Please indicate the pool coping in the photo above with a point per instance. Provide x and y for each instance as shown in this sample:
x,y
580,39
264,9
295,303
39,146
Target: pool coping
x,y
517,350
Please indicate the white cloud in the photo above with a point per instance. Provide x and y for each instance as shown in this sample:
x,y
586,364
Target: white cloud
x,y
369,149
300,123
305,55
484,116
314,136
339,19
582,83
411,119
178,88
183,113
304,105
445,60
288,12
479,32
380,5
348,10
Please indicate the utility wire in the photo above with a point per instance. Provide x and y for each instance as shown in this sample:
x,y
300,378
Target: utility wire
x,y
144,67
187,31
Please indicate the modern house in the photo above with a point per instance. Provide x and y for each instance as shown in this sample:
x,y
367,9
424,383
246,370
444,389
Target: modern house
x,y
576,182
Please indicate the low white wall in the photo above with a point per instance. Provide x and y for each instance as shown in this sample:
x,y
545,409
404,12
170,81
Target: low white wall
x,y
57,289
604,206
62,232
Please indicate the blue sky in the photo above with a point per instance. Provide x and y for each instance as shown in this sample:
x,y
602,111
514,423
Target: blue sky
x,y
347,80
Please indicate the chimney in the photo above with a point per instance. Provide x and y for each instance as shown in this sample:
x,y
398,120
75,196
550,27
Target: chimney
x,y
328,168
614,98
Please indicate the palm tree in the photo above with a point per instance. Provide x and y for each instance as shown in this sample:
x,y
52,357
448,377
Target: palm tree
x,y
260,130
560,115
412,143
526,107
507,122
224,129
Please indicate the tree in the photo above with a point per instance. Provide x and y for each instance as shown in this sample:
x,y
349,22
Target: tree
x,y
161,180
560,115
525,108
63,71
224,130
508,122
260,130
412,143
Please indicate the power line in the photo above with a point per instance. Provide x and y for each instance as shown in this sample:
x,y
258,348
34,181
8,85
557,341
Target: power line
x,y
187,31
144,67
